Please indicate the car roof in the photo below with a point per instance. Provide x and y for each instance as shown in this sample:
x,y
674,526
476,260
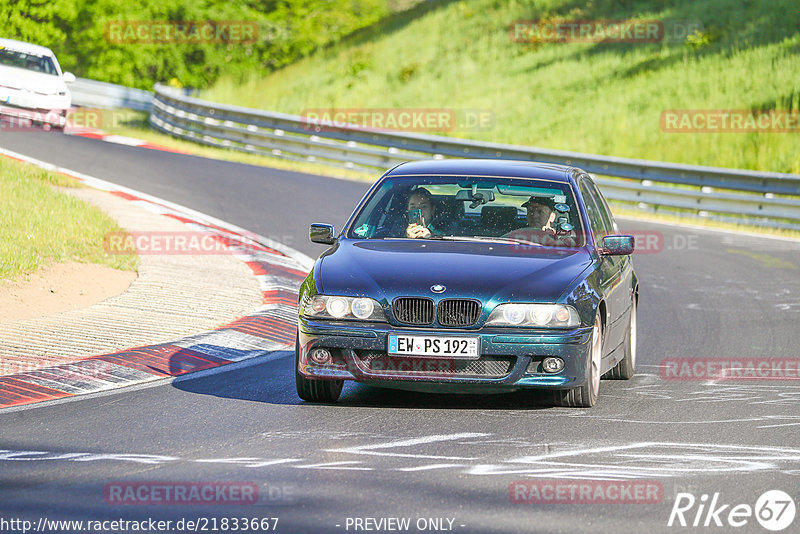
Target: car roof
x,y
485,167
27,48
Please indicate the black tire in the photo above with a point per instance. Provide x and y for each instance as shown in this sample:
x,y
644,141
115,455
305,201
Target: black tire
x,y
585,396
626,367
314,390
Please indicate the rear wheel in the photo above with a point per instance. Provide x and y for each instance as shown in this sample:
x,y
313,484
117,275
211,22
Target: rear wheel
x,y
586,395
314,390
627,365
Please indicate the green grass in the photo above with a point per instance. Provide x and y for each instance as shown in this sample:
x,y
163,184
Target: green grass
x,y
40,225
602,98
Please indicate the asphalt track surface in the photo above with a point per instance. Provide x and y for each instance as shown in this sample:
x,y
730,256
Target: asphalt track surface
x,y
383,453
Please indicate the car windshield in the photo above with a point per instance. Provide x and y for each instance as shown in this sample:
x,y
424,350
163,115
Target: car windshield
x,y
471,208
14,58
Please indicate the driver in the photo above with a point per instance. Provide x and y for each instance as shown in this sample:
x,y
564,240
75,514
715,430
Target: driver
x,y
34,64
540,216
421,199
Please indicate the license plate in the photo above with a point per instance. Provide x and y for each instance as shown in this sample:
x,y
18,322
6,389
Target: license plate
x,y
435,346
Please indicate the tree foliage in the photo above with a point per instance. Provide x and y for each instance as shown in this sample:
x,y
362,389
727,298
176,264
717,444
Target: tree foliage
x,y
76,30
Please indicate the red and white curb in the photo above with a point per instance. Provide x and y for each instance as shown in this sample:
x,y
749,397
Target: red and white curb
x,y
91,133
279,269
23,120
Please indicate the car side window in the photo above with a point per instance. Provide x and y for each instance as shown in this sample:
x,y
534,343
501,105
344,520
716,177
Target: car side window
x,y
593,211
605,211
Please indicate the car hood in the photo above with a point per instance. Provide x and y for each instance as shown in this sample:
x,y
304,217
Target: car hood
x,y
32,80
486,271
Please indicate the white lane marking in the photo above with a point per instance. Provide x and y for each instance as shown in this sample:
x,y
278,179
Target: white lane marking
x,y
715,392
152,459
428,467
20,456
619,462
572,474
248,462
335,465
371,449
32,456
123,140
651,459
776,426
579,452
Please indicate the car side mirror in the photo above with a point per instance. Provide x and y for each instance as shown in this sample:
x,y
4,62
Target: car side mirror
x,y
69,77
617,245
322,233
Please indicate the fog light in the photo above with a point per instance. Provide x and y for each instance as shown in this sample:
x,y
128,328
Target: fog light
x,y
552,365
320,356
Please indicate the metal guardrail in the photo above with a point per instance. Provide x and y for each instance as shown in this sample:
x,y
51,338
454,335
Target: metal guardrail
x,y
94,94
749,197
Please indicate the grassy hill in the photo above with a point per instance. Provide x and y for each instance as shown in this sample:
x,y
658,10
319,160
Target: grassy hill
x,y
596,97
129,43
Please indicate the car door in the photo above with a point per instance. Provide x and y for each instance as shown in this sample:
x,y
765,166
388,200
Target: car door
x,y
626,268
611,267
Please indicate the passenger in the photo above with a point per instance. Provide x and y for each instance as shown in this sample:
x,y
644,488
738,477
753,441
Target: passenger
x,y
421,200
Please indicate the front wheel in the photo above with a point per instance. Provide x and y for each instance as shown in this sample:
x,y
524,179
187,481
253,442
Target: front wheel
x,y
627,365
314,390
585,396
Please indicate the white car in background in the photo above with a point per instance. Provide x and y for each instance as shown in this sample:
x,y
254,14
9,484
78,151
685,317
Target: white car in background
x,y
32,87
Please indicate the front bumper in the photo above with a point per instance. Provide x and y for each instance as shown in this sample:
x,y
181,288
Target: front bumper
x,y
510,358
26,105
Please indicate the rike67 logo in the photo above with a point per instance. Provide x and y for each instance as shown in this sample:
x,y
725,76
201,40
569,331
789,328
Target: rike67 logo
x,y
774,510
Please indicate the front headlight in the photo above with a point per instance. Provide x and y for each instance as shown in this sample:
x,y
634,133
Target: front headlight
x,y
344,308
536,315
